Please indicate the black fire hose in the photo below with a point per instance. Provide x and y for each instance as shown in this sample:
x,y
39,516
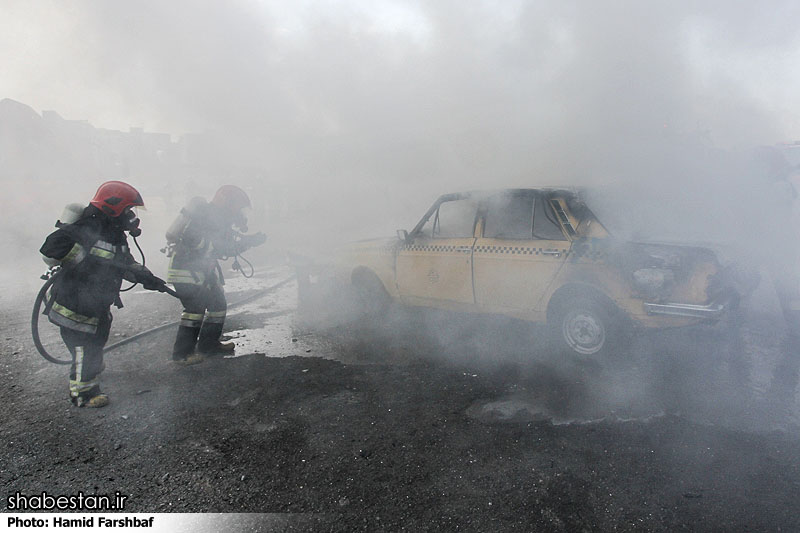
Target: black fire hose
x,y
37,308
51,278
243,301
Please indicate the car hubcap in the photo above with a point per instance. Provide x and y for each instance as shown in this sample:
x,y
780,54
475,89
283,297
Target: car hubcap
x,y
583,332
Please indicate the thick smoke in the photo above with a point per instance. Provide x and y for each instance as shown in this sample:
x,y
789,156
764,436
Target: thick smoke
x,y
346,119
355,116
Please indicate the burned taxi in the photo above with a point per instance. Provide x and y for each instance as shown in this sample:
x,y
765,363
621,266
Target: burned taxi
x,y
540,255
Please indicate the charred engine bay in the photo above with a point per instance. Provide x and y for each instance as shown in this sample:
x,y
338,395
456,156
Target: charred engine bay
x,y
425,421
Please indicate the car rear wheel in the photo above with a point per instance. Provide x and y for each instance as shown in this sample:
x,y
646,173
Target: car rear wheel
x,y
582,327
373,300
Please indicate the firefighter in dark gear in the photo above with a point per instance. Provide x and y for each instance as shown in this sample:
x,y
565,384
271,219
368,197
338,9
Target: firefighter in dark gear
x,y
203,234
94,257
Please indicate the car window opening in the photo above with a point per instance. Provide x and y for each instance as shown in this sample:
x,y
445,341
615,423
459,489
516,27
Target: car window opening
x,y
545,225
562,216
452,219
509,217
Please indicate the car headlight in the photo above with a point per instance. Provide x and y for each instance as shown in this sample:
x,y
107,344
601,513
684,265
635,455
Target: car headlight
x,y
653,280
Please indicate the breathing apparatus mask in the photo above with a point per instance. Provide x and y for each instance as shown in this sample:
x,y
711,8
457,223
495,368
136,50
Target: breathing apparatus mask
x,y
240,219
129,221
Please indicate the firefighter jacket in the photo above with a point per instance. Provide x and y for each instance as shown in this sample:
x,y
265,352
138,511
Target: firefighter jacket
x,y
94,256
205,236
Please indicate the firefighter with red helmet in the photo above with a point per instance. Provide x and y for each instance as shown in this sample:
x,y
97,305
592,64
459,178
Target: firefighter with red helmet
x,y
201,235
94,257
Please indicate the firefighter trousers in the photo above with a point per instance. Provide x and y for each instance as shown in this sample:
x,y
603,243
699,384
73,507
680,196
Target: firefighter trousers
x,y
204,311
87,359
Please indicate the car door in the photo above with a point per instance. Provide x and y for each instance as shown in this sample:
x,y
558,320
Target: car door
x,y
435,265
519,252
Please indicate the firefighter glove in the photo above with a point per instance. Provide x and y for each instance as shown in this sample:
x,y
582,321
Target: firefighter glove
x,y
152,282
141,274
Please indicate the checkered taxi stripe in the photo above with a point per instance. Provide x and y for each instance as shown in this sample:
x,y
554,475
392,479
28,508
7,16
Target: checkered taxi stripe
x,y
437,248
578,252
515,250
511,250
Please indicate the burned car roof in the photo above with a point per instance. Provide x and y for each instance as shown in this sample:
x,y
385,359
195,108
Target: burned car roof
x,y
483,193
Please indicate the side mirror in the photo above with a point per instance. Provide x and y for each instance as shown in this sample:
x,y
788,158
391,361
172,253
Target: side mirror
x,y
402,235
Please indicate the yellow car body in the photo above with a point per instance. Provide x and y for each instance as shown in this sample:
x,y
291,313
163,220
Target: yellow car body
x,y
524,252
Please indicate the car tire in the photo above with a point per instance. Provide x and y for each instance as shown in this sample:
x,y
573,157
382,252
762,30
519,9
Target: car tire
x,y
373,300
584,329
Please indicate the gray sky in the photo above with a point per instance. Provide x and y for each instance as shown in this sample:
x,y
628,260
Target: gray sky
x,y
409,68
367,110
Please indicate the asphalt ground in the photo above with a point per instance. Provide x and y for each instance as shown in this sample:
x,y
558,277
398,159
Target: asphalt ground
x,y
420,421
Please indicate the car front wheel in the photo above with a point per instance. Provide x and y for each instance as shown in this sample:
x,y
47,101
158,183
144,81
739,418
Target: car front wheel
x,y
583,328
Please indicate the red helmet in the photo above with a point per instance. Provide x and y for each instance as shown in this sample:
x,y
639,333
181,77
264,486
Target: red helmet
x,y
113,197
232,198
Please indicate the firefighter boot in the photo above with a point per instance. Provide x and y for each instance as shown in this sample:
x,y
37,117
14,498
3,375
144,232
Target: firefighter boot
x,y
93,398
98,400
183,351
209,342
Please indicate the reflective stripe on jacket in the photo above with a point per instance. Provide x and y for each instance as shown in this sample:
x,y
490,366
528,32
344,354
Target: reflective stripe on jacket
x,y
63,316
95,255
